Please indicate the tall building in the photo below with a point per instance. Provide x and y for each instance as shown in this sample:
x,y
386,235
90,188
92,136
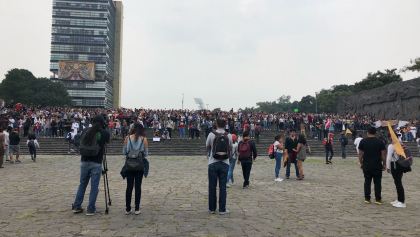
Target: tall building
x,y
86,47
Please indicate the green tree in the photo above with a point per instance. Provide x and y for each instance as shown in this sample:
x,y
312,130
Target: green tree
x,y
377,79
307,104
414,67
21,86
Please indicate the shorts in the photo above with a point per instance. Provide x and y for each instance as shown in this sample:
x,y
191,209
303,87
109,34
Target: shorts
x,y
14,149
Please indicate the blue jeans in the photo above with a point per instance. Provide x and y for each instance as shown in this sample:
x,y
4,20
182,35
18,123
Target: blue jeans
x,y
288,168
278,158
92,171
232,163
217,172
182,132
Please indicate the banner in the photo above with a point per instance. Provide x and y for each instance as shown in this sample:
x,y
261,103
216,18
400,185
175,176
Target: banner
x,y
76,70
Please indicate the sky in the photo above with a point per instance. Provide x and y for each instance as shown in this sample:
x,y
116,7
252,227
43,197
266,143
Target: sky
x,y
232,53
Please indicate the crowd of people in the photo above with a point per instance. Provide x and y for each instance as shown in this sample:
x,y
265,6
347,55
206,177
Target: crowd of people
x,y
231,138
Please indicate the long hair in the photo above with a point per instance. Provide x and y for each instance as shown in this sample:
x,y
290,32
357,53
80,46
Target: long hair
x,y
98,124
138,131
91,134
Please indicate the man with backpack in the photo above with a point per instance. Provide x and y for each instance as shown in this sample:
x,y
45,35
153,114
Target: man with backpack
x,y
219,149
344,141
92,150
247,154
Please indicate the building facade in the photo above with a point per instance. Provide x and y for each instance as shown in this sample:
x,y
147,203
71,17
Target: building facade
x,y
86,50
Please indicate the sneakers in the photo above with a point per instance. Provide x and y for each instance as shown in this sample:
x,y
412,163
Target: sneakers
x,y
399,205
367,201
378,202
222,213
228,185
394,202
138,212
128,212
212,212
278,179
245,186
77,210
90,213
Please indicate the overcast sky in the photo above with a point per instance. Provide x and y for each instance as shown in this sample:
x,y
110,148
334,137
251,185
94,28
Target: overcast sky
x,y
232,53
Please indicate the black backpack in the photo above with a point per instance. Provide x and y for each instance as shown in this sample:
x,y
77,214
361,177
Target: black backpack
x,y
221,150
89,149
31,144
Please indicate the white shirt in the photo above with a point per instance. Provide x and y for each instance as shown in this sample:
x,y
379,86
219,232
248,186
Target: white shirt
x,y
276,145
391,156
357,142
6,138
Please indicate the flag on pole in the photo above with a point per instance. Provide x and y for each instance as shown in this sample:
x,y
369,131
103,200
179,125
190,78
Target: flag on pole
x,y
397,145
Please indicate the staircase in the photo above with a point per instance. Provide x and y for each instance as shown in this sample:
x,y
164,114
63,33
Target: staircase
x,y
190,147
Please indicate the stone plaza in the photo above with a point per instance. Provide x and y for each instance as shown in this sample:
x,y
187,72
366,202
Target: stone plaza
x,y
35,200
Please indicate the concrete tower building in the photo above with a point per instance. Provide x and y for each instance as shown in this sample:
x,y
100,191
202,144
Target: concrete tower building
x,y
86,50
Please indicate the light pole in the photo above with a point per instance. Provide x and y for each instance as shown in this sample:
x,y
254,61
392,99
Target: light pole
x,y
182,101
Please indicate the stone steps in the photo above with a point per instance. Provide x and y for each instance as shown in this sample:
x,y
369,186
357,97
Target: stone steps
x,y
186,147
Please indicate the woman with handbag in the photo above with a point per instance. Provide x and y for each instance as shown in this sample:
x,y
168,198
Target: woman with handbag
x,y
136,151
301,155
397,171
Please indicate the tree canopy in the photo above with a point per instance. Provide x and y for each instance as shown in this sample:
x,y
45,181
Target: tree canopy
x,y
21,86
326,100
414,67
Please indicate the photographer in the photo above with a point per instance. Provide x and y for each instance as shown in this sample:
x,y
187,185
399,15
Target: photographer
x,y
92,149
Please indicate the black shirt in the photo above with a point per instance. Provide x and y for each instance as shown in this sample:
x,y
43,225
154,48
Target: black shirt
x,y
372,149
102,141
14,139
291,144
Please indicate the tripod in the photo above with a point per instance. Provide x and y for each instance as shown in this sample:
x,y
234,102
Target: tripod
x,y
106,184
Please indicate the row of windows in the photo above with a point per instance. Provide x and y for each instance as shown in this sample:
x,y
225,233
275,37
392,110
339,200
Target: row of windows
x,y
83,84
87,102
85,93
81,22
79,48
78,31
74,13
78,39
98,68
79,57
78,5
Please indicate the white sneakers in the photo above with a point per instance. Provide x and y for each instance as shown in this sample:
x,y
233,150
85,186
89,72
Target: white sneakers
x,y
398,204
278,180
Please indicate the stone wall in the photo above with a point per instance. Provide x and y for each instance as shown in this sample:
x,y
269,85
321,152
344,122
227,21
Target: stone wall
x,y
399,100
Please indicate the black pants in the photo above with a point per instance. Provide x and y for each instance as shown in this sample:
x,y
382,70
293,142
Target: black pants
x,y
329,153
376,175
54,132
246,171
133,179
397,174
170,132
32,152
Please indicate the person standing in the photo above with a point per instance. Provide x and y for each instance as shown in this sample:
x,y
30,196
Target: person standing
x,y
372,161
232,160
278,155
14,141
290,147
397,172
344,141
301,155
247,154
328,144
6,144
91,165
137,142
2,147
219,148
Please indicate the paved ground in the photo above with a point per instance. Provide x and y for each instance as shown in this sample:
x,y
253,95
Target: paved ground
x,y
35,200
